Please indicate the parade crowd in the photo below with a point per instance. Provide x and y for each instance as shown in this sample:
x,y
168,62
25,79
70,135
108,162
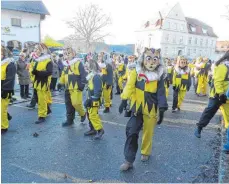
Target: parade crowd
x,y
142,82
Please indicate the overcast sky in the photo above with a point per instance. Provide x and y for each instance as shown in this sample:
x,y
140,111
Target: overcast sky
x,y
128,15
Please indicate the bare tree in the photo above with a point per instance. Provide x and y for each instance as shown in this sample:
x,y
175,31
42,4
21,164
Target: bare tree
x,y
89,24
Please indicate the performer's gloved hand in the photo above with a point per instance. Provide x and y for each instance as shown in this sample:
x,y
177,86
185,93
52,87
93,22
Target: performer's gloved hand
x,y
161,115
88,103
81,87
7,94
108,86
174,88
223,98
122,106
60,86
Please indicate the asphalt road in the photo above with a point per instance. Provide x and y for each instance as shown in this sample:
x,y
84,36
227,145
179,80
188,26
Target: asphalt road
x,y
60,154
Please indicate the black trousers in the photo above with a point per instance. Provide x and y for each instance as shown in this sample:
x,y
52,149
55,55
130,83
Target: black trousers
x,y
24,90
133,128
34,99
70,110
175,99
53,83
209,112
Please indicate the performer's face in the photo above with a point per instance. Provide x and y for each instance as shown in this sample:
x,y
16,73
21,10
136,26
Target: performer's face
x,y
151,62
68,54
38,50
183,63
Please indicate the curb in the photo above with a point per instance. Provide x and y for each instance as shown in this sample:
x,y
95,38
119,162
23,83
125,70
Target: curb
x,y
224,160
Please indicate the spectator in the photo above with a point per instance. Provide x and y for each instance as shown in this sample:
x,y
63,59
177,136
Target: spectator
x,y
126,60
55,73
23,75
60,63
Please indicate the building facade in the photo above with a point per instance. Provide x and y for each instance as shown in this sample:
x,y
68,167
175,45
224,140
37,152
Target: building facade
x,y
20,22
176,34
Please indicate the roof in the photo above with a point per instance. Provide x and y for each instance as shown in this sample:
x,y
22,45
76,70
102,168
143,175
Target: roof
x,y
199,25
36,7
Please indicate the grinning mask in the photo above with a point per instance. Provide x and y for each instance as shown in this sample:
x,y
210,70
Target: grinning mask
x,y
69,54
151,59
40,49
181,62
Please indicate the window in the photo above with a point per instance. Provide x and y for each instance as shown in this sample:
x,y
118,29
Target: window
x,y
181,39
189,51
168,25
194,51
193,29
16,22
174,39
182,27
196,41
212,43
166,50
167,37
175,26
201,42
173,51
190,40
206,43
200,52
204,30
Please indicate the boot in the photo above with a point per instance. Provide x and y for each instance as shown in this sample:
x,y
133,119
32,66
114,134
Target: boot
x,y
40,120
126,166
90,132
68,123
49,110
198,132
30,106
8,116
83,118
99,134
117,93
106,110
144,158
4,130
173,110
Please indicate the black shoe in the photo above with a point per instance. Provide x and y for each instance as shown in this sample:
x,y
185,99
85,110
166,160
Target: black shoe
x,y
83,118
27,96
173,110
30,106
106,110
118,93
40,120
8,116
23,97
67,123
198,132
99,134
4,130
49,111
90,132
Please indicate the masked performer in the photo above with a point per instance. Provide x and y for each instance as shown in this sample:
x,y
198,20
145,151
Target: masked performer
x,y
168,79
147,92
202,76
93,101
74,79
8,71
107,78
120,72
42,72
181,82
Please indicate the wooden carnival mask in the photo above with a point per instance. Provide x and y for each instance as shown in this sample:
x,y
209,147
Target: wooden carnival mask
x,y
69,54
151,58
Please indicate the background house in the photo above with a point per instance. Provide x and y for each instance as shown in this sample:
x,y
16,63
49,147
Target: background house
x,y
20,22
174,33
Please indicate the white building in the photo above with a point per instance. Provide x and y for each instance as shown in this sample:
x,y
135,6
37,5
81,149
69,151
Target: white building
x,y
174,33
20,22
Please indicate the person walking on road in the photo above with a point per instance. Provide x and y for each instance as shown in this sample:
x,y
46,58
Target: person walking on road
x,y
217,97
55,73
23,75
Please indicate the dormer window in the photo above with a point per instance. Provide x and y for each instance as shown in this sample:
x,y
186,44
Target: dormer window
x,y
204,30
193,29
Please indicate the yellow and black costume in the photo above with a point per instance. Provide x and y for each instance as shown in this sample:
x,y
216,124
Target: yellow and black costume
x,y
93,101
169,76
107,78
217,97
181,82
120,73
74,78
8,71
147,92
41,74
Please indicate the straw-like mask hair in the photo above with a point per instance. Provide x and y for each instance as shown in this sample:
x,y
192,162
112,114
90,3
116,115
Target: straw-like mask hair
x,y
93,66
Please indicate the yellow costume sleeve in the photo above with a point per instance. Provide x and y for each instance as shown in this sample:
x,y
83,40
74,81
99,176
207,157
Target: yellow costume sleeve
x,y
62,78
219,78
130,86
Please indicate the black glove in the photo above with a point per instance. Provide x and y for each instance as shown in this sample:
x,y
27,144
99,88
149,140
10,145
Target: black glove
x,y
34,72
223,98
81,87
108,86
122,106
161,115
7,94
188,88
88,103
174,88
